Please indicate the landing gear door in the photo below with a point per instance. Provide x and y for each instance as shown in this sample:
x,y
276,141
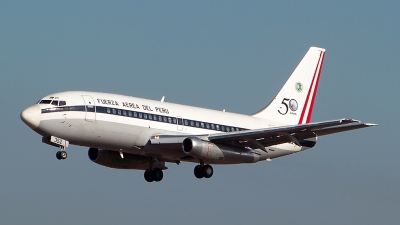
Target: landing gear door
x,y
89,108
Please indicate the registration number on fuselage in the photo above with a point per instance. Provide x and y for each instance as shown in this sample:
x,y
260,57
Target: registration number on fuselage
x,y
59,141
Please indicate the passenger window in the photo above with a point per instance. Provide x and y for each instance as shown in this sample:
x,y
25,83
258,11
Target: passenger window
x,y
145,116
140,115
180,121
124,112
160,118
202,125
227,129
108,110
217,126
222,128
207,126
54,103
134,114
197,124
174,120
165,119
129,113
150,117
114,111
212,126
169,120
186,122
61,103
119,112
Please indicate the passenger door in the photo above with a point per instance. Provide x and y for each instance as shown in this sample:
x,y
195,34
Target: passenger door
x,y
89,108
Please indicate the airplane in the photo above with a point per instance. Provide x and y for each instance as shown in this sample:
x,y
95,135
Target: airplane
x,y
125,132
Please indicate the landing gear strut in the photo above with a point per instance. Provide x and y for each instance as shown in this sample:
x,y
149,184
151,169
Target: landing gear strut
x,y
155,174
205,171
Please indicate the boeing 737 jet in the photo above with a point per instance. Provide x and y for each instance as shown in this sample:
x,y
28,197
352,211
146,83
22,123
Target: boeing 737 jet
x,y
126,132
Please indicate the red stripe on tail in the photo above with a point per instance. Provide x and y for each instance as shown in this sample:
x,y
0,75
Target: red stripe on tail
x,y
315,89
309,91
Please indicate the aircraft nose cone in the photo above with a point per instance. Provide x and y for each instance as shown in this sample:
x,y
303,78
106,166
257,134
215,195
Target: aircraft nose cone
x,y
31,116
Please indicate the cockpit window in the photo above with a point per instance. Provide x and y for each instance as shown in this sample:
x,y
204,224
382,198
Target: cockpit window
x,y
53,102
45,102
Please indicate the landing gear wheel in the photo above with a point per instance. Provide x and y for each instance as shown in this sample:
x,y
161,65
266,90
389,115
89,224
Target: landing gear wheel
x,y
208,171
61,155
151,175
148,176
157,174
58,155
198,171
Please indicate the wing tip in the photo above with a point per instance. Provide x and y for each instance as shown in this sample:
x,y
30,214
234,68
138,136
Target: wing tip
x,y
347,120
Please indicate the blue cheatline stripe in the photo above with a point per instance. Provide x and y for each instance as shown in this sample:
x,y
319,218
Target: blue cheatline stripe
x,y
146,116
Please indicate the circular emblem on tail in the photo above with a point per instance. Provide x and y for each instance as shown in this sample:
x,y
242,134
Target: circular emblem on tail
x,y
299,87
293,105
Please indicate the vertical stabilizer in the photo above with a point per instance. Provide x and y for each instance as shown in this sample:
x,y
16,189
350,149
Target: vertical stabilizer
x,y
295,101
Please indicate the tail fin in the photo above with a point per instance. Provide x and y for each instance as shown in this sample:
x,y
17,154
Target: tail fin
x,y
295,101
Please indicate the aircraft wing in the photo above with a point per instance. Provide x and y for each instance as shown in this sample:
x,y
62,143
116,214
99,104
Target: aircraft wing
x,y
261,138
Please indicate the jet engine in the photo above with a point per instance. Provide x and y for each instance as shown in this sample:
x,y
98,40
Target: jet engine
x,y
206,150
114,160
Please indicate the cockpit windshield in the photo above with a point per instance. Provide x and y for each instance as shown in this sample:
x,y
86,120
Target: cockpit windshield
x,y
52,102
45,102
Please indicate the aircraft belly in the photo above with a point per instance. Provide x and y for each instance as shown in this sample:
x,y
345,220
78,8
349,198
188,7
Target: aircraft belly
x,y
99,134
168,151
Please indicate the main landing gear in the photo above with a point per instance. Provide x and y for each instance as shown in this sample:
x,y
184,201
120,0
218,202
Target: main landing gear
x,y
205,171
155,174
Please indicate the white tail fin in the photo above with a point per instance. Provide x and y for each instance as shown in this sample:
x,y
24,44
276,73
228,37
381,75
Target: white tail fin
x,y
295,101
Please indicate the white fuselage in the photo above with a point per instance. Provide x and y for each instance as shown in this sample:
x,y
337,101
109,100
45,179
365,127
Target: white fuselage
x,y
125,124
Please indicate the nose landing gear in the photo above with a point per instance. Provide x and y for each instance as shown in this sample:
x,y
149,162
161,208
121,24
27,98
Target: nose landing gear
x,y
61,154
57,142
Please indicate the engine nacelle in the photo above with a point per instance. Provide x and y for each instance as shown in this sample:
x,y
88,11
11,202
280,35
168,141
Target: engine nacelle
x,y
113,159
206,150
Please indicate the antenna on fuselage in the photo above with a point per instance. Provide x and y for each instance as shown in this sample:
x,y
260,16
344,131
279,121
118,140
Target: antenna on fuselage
x,y
162,99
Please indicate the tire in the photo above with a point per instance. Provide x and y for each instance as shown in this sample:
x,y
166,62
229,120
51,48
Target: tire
x,y
148,176
58,155
208,171
157,174
63,154
198,171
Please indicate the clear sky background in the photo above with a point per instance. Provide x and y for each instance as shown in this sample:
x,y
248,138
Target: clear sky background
x,y
232,55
